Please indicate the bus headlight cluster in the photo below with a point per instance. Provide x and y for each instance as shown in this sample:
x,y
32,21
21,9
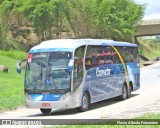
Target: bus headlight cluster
x,y
28,96
64,96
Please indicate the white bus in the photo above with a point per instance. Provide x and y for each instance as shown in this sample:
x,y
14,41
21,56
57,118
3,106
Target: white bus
x,y
73,73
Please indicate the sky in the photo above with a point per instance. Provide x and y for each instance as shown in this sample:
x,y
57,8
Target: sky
x,y
152,10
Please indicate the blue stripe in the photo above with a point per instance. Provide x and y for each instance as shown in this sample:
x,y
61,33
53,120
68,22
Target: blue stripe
x,y
119,44
46,97
51,50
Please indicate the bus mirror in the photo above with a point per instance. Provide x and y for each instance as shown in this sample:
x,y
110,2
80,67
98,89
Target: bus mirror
x,y
18,67
75,58
70,65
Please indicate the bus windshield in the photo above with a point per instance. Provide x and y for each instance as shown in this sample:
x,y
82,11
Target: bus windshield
x,y
47,72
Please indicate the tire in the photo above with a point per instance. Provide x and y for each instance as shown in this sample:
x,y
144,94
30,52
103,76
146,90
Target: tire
x,y
85,103
129,90
45,111
124,93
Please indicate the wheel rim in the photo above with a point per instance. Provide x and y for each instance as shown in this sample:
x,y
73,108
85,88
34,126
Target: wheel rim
x,y
85,102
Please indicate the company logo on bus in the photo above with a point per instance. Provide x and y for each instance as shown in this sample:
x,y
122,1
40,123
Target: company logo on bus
x,y
103,72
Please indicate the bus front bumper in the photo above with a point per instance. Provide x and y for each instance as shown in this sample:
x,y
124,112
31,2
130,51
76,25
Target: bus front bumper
x,y
66,104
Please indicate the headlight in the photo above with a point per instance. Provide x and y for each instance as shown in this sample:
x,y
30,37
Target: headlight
x,y
64,96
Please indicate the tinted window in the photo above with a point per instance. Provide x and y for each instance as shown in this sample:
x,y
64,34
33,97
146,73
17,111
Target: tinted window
x,y
100,55
78,67
129,54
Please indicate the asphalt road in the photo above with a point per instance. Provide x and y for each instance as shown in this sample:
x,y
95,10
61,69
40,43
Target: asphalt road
x,y
149,91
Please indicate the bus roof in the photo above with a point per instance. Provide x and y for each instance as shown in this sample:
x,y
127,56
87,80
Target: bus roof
x,y
74,43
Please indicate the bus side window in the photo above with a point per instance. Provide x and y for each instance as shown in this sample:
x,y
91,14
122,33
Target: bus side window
x,y
111,57
135,54
129,55
126,55
117,59
90,58
99,55
132,57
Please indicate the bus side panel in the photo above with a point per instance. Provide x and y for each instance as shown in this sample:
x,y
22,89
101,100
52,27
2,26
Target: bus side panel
x,y
105,81
134,74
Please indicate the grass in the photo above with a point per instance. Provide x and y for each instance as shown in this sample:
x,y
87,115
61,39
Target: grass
x,y
150,116
19,55
11,85
151,55
149,48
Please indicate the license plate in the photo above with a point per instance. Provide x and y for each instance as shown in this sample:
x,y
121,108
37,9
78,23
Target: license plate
x,y
46,105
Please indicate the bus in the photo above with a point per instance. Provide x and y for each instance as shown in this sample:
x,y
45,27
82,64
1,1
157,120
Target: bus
x,y
74,73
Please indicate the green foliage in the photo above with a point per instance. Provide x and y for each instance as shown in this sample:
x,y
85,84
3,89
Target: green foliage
x,y
6,7
5,23
41,14
3,35
118,19
150,116
19,55
80,15
11,85
149,48
111,19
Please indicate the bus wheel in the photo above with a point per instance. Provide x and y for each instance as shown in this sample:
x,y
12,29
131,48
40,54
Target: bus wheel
x,y
85,103
129,90
124,93
45,111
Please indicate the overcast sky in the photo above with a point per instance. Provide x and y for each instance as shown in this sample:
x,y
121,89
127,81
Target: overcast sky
x,y
152,8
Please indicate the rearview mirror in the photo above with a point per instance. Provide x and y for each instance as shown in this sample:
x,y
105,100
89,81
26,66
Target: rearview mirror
x,y
18,66
70,65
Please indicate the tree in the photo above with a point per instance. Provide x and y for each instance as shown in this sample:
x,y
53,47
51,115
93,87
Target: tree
x,y
80,16
39,12
113,19
117,19
110,19
5,21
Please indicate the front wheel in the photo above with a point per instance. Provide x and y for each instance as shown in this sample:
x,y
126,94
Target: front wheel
x,y
45,111
85,103
124,93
